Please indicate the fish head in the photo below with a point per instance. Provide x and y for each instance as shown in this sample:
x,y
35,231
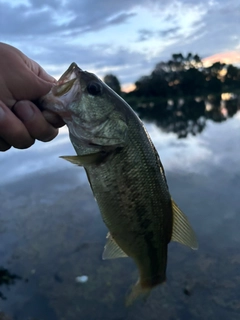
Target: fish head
x,y
93,112
63,93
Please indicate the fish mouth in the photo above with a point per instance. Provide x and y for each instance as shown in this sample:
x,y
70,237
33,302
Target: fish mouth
x,y
67,81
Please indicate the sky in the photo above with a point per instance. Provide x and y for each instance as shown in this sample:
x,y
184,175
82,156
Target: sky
x,y
126,38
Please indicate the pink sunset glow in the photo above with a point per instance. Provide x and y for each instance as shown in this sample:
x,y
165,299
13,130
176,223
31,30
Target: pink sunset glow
x,y
229,57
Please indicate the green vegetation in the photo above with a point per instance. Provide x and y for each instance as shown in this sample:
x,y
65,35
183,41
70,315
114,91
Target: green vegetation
x,y
180,95
113,82
183,76
186,76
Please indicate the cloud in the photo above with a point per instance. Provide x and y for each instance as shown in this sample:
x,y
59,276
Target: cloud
x,y
109,35
169,32
37,17
99,59
45,3
214,32
120,18
228,57
145,34
27,22
47,18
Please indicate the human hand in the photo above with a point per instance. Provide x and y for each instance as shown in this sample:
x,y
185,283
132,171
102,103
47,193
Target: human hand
x,y
22,81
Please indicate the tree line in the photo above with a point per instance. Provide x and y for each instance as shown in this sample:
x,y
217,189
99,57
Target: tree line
x,y
180,95
183,76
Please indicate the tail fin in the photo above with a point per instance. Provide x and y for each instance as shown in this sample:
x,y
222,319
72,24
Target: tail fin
x,y
136,293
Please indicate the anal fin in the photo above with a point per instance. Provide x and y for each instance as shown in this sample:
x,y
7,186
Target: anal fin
x,y
182,231
112,250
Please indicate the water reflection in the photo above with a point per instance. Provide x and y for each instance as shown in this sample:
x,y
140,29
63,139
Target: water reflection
x,y
187,116
51,231
6,279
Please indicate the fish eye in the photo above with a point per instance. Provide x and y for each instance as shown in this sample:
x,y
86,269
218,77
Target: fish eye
x,y
94,88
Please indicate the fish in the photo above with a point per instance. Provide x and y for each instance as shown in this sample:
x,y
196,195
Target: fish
x,y
125,173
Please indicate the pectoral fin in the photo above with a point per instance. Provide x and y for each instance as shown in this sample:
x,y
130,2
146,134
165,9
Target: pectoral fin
x,y
85,159
182,231
112,250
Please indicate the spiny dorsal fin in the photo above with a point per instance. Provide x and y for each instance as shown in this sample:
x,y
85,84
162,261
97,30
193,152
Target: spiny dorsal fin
x,y
182,231
85,159
112,250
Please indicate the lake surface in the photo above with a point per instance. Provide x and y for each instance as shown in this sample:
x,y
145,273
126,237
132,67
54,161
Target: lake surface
x,y
51,233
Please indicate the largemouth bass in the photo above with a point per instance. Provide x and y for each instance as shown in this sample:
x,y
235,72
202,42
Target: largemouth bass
x,y
125,173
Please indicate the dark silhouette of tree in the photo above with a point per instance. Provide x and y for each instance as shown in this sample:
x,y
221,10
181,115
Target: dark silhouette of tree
x,y
232,107
151,86
186,76
232,78
7,279
213,77
182,75
193,81
142,87
215,111
113,82
167,96
182,117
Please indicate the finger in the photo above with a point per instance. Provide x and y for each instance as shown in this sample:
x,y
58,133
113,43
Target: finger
x,y
38,70
24,79
31,87
12,130
44,75
4,146
34,121
53,118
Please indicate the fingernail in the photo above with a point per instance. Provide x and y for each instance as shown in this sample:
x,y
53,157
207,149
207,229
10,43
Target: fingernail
x,y
24,111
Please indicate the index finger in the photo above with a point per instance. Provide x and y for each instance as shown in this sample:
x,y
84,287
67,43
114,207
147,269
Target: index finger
x,y
40,72
12,130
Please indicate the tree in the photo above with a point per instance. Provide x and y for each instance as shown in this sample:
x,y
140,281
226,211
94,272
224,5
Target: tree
x,y
213,77
143,87
186,76
192,82
113,82
232,78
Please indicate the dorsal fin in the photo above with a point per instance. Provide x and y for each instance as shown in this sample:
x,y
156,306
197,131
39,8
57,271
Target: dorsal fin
x,y
182,231
112,250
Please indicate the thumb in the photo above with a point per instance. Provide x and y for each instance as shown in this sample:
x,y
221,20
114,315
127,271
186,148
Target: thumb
x,y
33,87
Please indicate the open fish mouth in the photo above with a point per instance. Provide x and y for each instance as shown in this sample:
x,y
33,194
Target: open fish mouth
x,y
67,81
63,93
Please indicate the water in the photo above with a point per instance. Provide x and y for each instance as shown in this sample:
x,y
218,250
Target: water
x,y
51,233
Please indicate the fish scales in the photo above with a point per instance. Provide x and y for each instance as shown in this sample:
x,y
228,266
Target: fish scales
x,y
125,174
135,203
